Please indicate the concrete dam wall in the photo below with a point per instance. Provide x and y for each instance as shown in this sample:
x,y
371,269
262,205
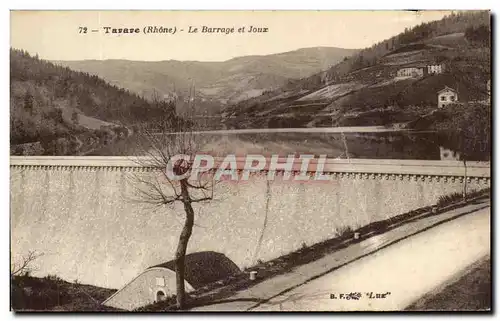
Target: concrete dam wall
x,y
79,212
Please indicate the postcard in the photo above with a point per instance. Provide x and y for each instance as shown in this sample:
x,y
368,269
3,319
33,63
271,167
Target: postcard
x,y
250,161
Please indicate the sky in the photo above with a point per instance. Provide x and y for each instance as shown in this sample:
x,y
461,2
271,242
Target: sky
x,y
55,35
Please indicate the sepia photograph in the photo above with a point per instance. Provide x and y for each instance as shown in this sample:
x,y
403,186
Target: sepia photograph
x,y
250,161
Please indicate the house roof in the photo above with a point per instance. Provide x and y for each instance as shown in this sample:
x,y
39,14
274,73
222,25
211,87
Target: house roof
x,y
446,88
412,67
202,268
420,64
415,64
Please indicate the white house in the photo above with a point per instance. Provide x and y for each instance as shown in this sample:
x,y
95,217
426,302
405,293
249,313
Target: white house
x,y
414,72
447,96
157,283
435,69
448,154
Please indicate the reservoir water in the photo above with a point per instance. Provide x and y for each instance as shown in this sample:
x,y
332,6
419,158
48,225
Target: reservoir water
x,y
374,142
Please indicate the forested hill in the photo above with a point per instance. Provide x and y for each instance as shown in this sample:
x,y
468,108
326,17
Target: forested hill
x,y
364,89
453,24
57,111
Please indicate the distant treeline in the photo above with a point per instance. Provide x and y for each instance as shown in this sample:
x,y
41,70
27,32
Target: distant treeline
x,y
93,96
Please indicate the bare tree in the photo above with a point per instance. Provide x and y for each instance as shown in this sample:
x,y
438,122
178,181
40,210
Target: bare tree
x,y
160,146
25,264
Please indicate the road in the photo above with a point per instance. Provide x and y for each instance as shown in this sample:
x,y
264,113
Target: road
x,y
407,270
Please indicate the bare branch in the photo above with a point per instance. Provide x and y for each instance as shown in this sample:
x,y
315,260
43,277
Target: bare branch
x,y
25,265
199,186
201,199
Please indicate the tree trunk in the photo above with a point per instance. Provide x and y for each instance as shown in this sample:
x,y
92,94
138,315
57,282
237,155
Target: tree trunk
x,y
180,254
464,193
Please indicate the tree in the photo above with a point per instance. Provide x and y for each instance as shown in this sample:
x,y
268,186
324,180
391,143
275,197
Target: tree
x,y
74,145
56,115
481,34
75,118
62,146
169,138
28,102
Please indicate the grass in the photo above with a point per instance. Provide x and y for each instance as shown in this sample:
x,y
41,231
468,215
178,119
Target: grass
x,y
445,200
344,232
51,293
448,199
471,292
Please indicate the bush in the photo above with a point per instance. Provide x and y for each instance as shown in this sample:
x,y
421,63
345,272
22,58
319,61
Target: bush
x,y
445,200
345,231
53,277
17,150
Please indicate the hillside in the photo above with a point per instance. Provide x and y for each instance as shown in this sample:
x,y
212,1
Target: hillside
x,y
51,293
365,88
215,83
58,111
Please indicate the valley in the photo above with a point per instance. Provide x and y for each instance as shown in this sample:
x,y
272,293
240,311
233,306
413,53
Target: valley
x,y
211,85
